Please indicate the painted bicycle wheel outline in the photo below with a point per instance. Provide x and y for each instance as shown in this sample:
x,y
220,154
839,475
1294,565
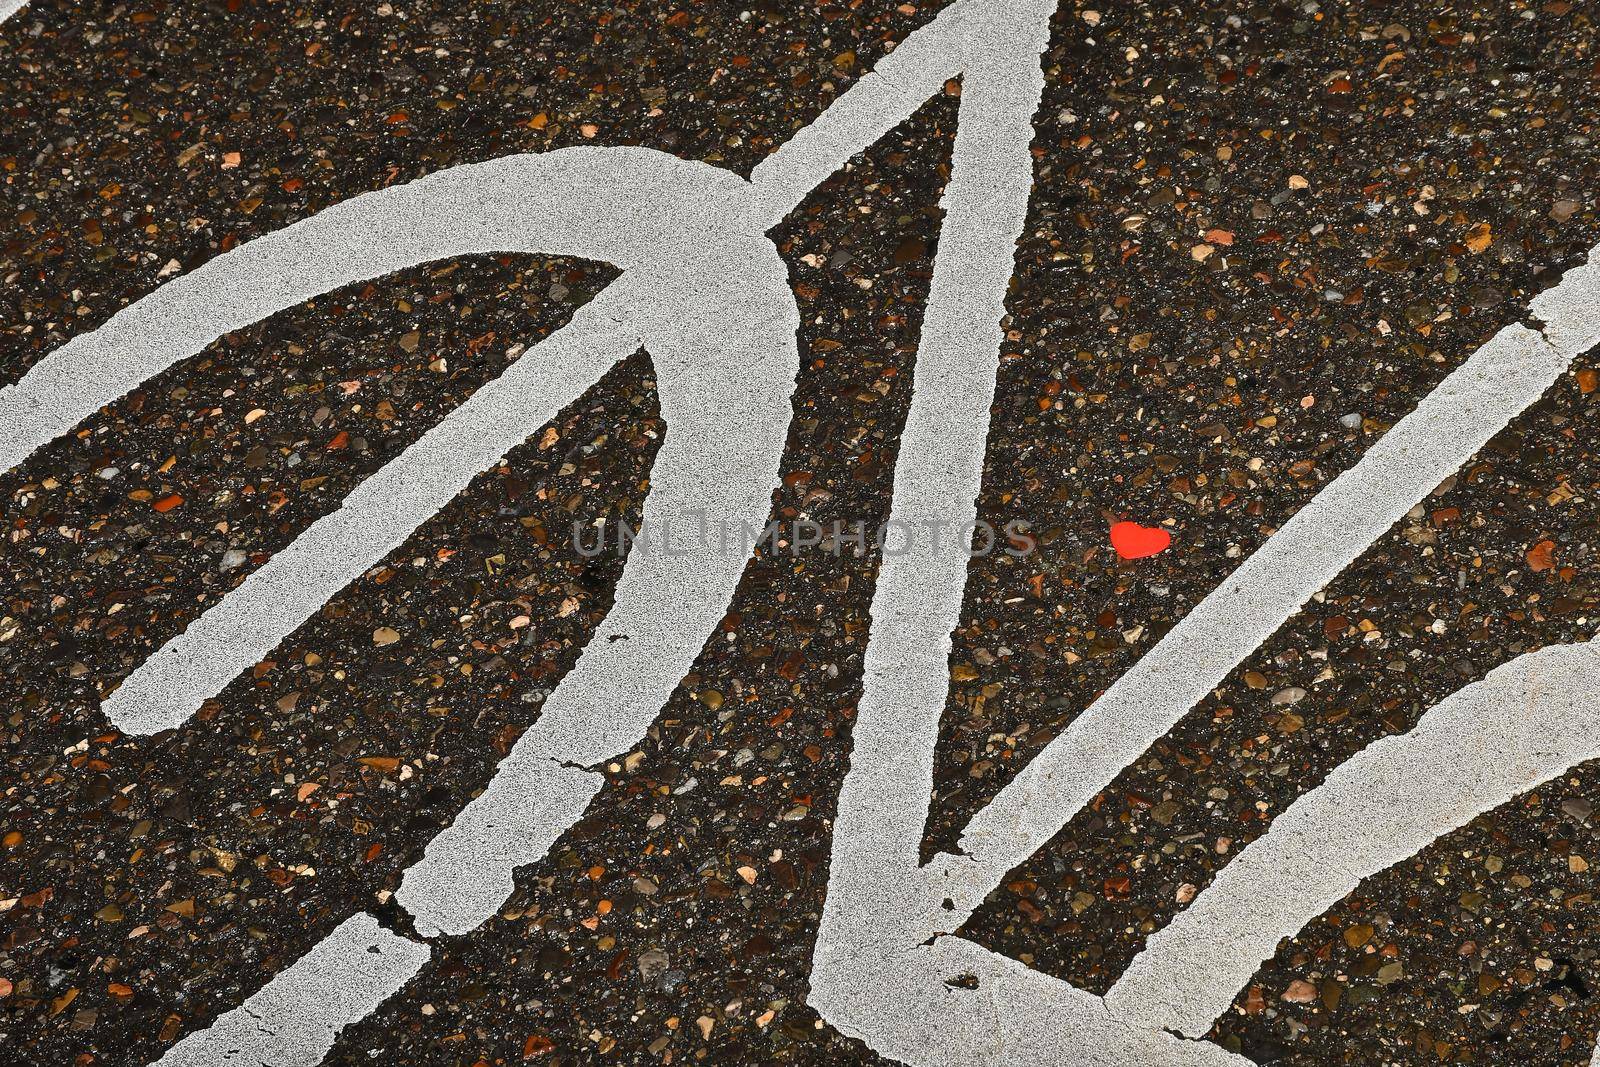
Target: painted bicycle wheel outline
x,y
885,958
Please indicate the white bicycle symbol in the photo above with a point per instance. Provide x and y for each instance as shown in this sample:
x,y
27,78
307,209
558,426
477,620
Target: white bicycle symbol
x,y
705,292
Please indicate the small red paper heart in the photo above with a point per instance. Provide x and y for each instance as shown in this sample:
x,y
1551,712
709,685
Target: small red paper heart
x,y
1133,541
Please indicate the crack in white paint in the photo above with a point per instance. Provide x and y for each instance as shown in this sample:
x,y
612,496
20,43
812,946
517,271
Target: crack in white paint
x,y
467,871
295,1018
1568,313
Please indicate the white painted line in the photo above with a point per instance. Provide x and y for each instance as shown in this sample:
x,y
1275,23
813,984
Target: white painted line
x,y
917,602
643,220
955,1004
11,7
707,295
631,207
377,517
703,291
295,1018
1526,722
465,875
1451,424
879,101
725,367
885,968
879,971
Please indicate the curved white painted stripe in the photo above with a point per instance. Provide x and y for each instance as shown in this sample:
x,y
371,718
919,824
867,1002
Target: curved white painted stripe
x,y
376,518
11,7
295,1018
703,291
1526,722
721,329
726,360
632,207
644,210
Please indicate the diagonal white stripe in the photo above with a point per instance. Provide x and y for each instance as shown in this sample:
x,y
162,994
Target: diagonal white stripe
x,y
376,518
1525,723
1452,423
294,1019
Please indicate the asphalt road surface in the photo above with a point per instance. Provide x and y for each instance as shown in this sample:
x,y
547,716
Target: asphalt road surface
x,y
526,616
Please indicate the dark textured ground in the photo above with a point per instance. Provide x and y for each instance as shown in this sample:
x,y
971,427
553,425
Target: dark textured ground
x,y
1260,234
1444,155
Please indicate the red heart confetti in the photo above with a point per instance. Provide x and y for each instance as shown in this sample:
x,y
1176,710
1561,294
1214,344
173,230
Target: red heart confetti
x,y
1133,541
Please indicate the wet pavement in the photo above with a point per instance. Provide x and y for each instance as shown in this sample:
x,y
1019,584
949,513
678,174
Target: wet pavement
x,y
1259,235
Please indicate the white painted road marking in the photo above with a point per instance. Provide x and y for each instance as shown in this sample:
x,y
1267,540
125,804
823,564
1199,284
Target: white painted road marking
x,y
295,1018
1528,721
704,292
1324,537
